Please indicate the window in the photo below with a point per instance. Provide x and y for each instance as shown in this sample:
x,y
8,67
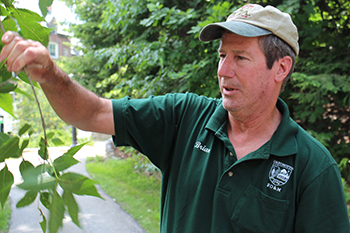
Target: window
x,y
65,52
53,49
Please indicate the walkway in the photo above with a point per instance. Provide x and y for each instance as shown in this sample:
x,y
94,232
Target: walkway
x,y
96,215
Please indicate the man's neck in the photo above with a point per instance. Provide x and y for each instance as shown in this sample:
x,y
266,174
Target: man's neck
x,y
250,134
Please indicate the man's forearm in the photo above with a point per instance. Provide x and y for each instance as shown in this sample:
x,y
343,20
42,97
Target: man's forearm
x,y
73,103
76,105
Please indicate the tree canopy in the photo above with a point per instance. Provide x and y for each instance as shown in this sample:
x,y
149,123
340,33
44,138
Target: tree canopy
x,y
147,47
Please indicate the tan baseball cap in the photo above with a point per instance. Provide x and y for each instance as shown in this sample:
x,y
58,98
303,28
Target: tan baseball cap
x,y
254,20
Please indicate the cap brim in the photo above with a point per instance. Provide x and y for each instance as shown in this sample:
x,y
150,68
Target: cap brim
x,y
215,30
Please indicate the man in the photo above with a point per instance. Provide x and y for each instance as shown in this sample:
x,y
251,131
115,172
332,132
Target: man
x,y
236,164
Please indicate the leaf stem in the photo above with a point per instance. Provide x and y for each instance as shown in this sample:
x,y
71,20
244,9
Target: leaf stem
x,y
40,111
37,101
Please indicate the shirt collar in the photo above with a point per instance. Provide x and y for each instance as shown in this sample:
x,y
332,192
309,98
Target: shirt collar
x,y
283,141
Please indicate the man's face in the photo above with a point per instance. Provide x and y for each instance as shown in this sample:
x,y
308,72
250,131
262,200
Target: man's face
x,y
246,84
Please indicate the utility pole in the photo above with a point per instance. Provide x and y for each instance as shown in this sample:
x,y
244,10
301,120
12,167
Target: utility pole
x,y
1,124
74,136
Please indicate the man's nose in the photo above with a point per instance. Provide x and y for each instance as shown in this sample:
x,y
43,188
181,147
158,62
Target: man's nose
x,y
225,68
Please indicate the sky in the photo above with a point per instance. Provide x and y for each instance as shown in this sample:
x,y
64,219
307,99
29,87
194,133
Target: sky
x,y
60,11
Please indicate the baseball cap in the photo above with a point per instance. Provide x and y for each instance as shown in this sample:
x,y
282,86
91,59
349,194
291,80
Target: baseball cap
x,y
253,20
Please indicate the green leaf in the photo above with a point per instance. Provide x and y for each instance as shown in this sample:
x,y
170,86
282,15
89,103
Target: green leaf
x,y
23,129
45,199
19,91
4,74
43,149
8,3
28,171
57,142
43,223
28,199
50,135
6,102
3,137
34,178
3,62
72,151
78,184
66,160
47,183
25,79
9,149
6,181
63,162
43,5
3,11
7,87
71,182
9,24
88,188
56,213
24,145
73,208
30,28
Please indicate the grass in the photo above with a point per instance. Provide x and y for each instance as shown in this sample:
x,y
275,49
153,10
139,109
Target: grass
x,y
137,193
5,215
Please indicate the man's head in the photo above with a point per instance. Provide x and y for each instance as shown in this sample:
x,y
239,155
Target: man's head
x,y
277,32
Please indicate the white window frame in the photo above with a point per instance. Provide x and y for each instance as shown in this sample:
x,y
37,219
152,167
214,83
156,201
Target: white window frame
x,y
55,55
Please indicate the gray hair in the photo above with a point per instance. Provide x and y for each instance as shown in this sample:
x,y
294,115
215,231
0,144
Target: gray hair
x,y
275,48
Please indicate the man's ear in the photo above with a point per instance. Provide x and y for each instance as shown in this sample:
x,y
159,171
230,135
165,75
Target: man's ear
x,y
284,66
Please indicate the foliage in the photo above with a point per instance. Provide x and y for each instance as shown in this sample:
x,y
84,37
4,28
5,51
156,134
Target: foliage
x,y
141,48
50,176
5,214
320,103
319,92
25,111
138,194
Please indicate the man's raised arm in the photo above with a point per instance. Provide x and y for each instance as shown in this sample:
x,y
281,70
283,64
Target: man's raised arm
x,y
72,103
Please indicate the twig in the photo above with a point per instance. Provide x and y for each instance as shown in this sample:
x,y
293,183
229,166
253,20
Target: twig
x,y
2,28
36,99
41,112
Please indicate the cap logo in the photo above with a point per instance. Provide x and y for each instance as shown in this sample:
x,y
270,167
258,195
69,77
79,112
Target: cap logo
x,y
241,12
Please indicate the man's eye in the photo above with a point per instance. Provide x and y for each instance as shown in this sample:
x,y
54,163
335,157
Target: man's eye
x,y
240,58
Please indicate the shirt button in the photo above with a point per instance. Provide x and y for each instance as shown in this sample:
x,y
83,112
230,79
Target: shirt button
x,y
230,173
231,154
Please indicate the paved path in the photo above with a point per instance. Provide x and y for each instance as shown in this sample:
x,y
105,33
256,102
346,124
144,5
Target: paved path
x,y
96,215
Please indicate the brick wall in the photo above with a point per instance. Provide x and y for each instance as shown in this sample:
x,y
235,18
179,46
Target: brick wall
x,y
63,49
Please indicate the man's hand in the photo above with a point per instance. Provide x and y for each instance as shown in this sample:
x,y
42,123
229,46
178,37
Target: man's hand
x,y
32,55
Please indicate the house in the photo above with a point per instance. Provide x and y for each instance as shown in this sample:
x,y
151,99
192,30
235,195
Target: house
x,y
59,44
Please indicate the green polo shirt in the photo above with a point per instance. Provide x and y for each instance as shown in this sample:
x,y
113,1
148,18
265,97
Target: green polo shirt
x,y
290,184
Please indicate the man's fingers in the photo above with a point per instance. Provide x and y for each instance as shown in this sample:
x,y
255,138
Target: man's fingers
x,y
8,37
9,40
19,52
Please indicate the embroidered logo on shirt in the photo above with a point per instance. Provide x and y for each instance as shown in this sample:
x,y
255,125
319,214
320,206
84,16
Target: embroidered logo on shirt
x,y
199,145
279,175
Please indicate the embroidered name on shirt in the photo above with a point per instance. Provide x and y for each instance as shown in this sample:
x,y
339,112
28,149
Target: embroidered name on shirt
x,y
199,145
279,175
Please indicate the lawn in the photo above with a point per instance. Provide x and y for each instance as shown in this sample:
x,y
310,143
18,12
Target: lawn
x,y
137,193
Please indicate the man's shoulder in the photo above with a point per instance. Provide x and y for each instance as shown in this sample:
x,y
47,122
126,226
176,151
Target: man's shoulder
x,y
312,155
190,101
310,144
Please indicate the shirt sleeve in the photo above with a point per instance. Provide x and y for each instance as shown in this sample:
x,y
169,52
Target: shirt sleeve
x,y
322,205
151,125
